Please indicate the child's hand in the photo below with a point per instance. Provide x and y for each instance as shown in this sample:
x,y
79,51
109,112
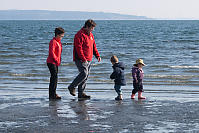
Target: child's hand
x,y
99,59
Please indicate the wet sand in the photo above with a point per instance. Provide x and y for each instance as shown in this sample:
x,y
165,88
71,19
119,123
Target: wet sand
x,y
163,111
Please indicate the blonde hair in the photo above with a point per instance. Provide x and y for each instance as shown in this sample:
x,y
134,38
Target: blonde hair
x,y
114,59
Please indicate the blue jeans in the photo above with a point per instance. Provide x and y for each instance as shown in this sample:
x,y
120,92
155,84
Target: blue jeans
x,y
118,89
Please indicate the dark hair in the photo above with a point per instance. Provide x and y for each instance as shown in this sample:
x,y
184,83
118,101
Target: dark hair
x,y
114,59
90,23
59,31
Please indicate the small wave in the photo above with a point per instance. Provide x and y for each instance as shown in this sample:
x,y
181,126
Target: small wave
x,y
192,71
185,40
95,64
195,52
68,64
159,66
179,77
69,43
184,67
17,74
155,71
25,75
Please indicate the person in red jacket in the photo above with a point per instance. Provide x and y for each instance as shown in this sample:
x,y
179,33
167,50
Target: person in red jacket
x,y
54,60
84,49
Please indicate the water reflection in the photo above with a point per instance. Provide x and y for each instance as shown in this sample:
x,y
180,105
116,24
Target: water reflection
x,y
53,106
80,108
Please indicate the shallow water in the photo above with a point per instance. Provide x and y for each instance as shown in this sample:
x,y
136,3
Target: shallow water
x,y
30,111
169,48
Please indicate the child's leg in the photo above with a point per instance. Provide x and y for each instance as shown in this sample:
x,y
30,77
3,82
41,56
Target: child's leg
x,y
135,90
118,89
119,92
140,90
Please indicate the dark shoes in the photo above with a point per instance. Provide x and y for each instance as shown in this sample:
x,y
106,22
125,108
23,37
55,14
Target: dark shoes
x,y
118,98
55,98
58,97
72,91
83,96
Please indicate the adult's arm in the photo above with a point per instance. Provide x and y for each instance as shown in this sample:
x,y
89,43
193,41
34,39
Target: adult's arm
x,y
95,51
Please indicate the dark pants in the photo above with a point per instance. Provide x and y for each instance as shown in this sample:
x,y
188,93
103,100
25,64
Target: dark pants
x,y
53,80
137,87
80,80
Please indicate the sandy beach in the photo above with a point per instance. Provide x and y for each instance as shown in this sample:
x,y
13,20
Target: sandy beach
x,y
29,110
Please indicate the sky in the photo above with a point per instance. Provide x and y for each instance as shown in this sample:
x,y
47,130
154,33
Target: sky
x,y
161,9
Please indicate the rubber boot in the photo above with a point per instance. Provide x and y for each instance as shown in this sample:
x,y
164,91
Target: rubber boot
x,y
133,96
140,95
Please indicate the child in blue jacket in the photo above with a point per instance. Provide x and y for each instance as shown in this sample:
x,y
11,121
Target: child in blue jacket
x,y
118,75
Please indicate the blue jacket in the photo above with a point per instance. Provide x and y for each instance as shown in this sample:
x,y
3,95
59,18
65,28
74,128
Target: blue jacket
x,y
118,74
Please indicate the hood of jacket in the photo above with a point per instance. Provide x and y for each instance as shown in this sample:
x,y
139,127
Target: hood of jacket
x,y
120,65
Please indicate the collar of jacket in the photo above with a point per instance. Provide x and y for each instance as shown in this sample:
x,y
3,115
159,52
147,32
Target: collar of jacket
x,y
85,32
58,40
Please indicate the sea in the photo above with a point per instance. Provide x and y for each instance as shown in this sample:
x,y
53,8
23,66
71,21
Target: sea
x,y
169,48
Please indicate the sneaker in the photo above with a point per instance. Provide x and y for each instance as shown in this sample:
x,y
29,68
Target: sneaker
x,y
83,96
72,91
118,98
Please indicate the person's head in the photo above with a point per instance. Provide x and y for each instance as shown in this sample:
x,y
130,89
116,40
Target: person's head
x,y
90,25
139,63
59,33
114,59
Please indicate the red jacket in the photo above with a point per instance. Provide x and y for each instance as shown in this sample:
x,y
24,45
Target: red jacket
x,y
84,46
55,50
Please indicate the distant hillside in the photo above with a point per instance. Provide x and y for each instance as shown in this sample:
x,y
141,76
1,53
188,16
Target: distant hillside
x,y
63,15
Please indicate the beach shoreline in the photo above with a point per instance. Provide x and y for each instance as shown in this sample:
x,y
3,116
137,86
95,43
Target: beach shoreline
x,y
30,110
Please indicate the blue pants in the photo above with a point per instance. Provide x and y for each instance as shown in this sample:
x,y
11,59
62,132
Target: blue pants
x,y
118,89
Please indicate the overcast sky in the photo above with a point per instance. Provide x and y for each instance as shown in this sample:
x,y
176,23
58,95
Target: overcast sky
x,y
171,9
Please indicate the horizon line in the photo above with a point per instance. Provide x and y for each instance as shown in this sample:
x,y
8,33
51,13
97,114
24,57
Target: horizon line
x,y
147,18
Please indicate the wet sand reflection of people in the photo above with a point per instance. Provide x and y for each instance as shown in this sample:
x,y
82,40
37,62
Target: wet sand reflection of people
x,y
53,106
80,108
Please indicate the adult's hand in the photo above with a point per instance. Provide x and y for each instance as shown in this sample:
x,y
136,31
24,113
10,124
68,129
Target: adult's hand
x,y
99,59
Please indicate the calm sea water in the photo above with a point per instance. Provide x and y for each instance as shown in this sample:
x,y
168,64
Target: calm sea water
x,y
169,48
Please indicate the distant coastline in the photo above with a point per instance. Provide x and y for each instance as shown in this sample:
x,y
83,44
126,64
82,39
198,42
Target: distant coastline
x,y
64,15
